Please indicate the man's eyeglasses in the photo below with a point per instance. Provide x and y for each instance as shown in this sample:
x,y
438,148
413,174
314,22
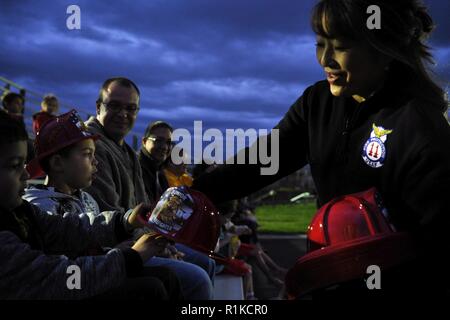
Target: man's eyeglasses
x,y
162,141
117,107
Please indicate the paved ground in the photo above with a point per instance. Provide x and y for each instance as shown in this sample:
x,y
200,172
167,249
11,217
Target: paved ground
x,y
284,250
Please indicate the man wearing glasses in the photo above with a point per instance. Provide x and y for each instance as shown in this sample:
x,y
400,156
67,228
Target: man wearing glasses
x,y
156,148
119,185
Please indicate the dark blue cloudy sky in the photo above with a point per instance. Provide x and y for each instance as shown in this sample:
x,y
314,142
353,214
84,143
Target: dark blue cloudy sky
x,y
232,64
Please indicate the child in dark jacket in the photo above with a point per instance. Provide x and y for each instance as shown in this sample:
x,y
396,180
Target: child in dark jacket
x,y
41,256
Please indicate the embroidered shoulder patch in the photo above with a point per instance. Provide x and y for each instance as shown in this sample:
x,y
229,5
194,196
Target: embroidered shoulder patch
x,y
374,150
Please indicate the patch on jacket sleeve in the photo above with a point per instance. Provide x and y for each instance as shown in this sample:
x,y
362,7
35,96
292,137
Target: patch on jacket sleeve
x,y
374,150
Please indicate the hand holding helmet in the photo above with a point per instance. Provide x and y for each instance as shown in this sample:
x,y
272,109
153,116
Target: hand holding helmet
x,y
137,218
149,245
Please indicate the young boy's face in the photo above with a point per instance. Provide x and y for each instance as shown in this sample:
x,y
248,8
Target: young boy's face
x,y
13,175
79,166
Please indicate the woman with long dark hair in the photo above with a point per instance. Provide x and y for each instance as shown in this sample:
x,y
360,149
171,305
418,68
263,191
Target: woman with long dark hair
x,y
377,121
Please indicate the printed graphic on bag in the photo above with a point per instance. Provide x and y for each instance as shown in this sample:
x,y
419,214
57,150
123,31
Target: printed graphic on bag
x,y
172,210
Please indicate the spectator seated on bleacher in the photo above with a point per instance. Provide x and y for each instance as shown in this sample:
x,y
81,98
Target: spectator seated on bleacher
x,y
177,174
14,104
119,184
245,215
274,273
245,218
228,246
37,249
49,109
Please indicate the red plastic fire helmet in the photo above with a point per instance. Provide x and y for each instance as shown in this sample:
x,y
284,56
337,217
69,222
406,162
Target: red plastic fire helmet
x,y
187,216
347,235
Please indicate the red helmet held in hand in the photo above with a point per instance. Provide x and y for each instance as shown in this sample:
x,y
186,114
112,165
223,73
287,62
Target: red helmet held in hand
x,y
187,216
347,235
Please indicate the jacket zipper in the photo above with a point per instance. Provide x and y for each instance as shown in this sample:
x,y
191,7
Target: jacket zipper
x,y
349,125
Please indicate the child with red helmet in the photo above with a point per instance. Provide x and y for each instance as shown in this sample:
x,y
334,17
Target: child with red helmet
x,y
37,250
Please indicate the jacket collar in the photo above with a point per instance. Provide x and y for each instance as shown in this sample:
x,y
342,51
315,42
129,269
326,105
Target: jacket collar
x,y
95,127
149,162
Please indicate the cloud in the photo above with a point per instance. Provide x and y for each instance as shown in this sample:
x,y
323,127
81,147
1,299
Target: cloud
x,y
229,63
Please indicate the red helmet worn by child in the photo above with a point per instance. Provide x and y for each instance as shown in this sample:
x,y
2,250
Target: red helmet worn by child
x,y
56,134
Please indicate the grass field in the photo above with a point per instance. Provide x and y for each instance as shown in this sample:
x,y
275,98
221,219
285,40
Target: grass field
x,y
288,218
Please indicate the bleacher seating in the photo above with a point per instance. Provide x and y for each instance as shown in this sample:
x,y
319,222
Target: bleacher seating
x,y
228,287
